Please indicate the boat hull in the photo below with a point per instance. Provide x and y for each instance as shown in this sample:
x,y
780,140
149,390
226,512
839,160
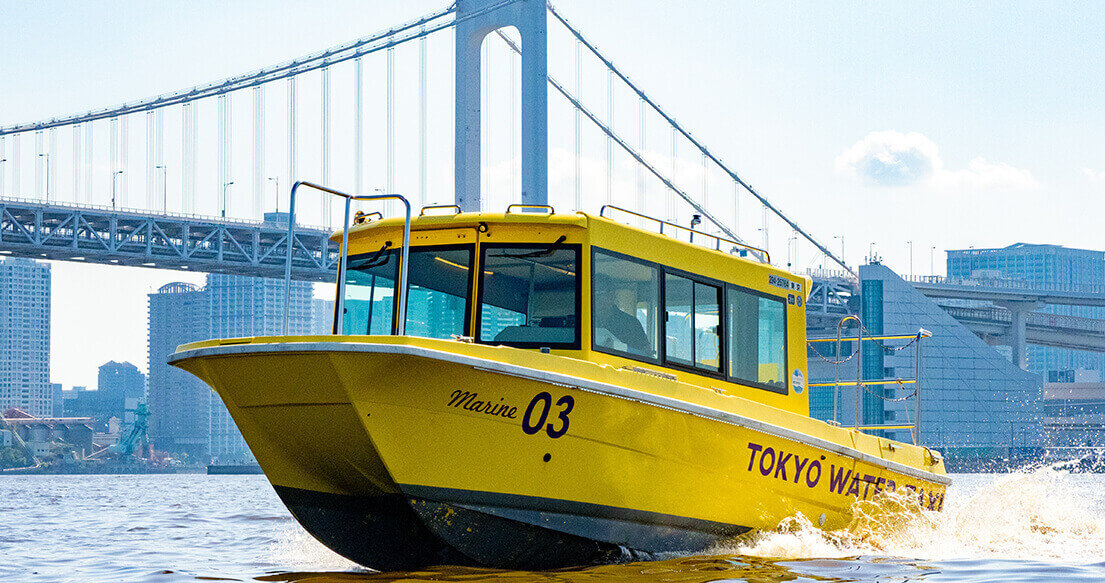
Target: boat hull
x,y
399,454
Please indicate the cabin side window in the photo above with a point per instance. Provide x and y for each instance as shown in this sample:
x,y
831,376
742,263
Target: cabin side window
x,y
692,320
529,296
757,339
625,301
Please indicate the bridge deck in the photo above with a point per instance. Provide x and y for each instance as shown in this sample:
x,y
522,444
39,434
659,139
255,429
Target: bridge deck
x,y
95,234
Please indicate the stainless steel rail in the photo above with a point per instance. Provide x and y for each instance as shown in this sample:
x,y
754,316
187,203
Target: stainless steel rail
x,y
764,256
399,328
862,384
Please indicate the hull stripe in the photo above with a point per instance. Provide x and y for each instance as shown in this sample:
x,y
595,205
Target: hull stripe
x,y
583,509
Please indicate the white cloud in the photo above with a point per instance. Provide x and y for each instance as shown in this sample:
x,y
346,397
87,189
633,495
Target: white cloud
x,y
891,158
981,174
1094,175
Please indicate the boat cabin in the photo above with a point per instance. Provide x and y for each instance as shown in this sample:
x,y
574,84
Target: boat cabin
x,y
617,289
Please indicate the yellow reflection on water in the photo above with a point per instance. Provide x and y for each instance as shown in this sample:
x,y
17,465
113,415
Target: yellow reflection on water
x,y
682,570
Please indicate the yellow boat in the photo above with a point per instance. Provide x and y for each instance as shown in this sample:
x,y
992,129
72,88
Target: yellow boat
x,y
557,390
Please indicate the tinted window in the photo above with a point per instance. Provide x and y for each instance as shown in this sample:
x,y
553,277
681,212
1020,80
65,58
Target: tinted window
x,y
439,281
757,345
691,323
679,313
529,296
437,299
369,293
707,343
625,298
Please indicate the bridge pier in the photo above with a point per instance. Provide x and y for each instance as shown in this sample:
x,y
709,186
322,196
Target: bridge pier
x,y
1018,330
475,20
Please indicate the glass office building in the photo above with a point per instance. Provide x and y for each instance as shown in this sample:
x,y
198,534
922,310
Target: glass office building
x,y
1042,267
974,402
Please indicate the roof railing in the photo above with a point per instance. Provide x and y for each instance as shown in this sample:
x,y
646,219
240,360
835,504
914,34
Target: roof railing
x,y
738,247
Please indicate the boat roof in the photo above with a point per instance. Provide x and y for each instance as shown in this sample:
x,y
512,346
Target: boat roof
x,y
431,218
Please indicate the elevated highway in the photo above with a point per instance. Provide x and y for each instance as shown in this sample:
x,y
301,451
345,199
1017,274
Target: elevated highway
x,y
999,291
1011,318
995,325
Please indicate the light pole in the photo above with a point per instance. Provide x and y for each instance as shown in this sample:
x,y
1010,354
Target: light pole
x,y
225,200
164,188
114,175
871,253
47,157
932,251
792,251
841,237
910,259
276,179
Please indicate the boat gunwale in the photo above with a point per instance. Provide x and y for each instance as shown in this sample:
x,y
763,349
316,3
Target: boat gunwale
x,y
587,385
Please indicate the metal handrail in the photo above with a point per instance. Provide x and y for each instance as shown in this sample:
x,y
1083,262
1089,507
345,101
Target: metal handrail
x,y
871,383
401,314
145,213
422,213
764,256
544,207
362,217
861,384
925,334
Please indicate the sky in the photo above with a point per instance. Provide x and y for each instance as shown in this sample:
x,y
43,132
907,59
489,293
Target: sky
x,y
947,124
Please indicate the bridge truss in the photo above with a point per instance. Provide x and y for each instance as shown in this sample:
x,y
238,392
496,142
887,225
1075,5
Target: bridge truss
x,y
136,238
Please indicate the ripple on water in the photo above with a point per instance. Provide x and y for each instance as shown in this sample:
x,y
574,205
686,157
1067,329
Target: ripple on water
x,y
1037,525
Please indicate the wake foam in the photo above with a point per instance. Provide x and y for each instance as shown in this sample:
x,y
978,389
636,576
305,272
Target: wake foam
x,y
295,549
1045,513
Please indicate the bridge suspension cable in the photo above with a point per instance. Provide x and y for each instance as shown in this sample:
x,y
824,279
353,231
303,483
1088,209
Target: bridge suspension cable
x,y
686,135
411,30
629,149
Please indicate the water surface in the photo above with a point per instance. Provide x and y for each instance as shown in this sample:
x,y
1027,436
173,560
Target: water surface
x,y
1041,525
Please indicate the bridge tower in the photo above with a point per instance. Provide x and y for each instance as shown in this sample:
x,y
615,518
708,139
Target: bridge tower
x,y
475,20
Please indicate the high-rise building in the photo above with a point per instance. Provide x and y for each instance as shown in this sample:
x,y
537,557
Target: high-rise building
x,y
73,401
186,416
25,336
57,400
1042,267
248,306
120,387
322,316
179,402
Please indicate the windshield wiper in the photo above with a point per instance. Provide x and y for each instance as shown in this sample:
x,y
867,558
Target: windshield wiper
x,y
373,261
538,253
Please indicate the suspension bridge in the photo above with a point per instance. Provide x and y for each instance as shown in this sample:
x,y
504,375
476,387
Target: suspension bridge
x,y
192,179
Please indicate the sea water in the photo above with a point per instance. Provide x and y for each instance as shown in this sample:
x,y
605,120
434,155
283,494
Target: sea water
x,y
1038,525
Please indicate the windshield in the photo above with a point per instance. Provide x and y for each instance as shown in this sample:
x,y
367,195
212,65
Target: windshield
x,y
370,293
437,301
529,296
